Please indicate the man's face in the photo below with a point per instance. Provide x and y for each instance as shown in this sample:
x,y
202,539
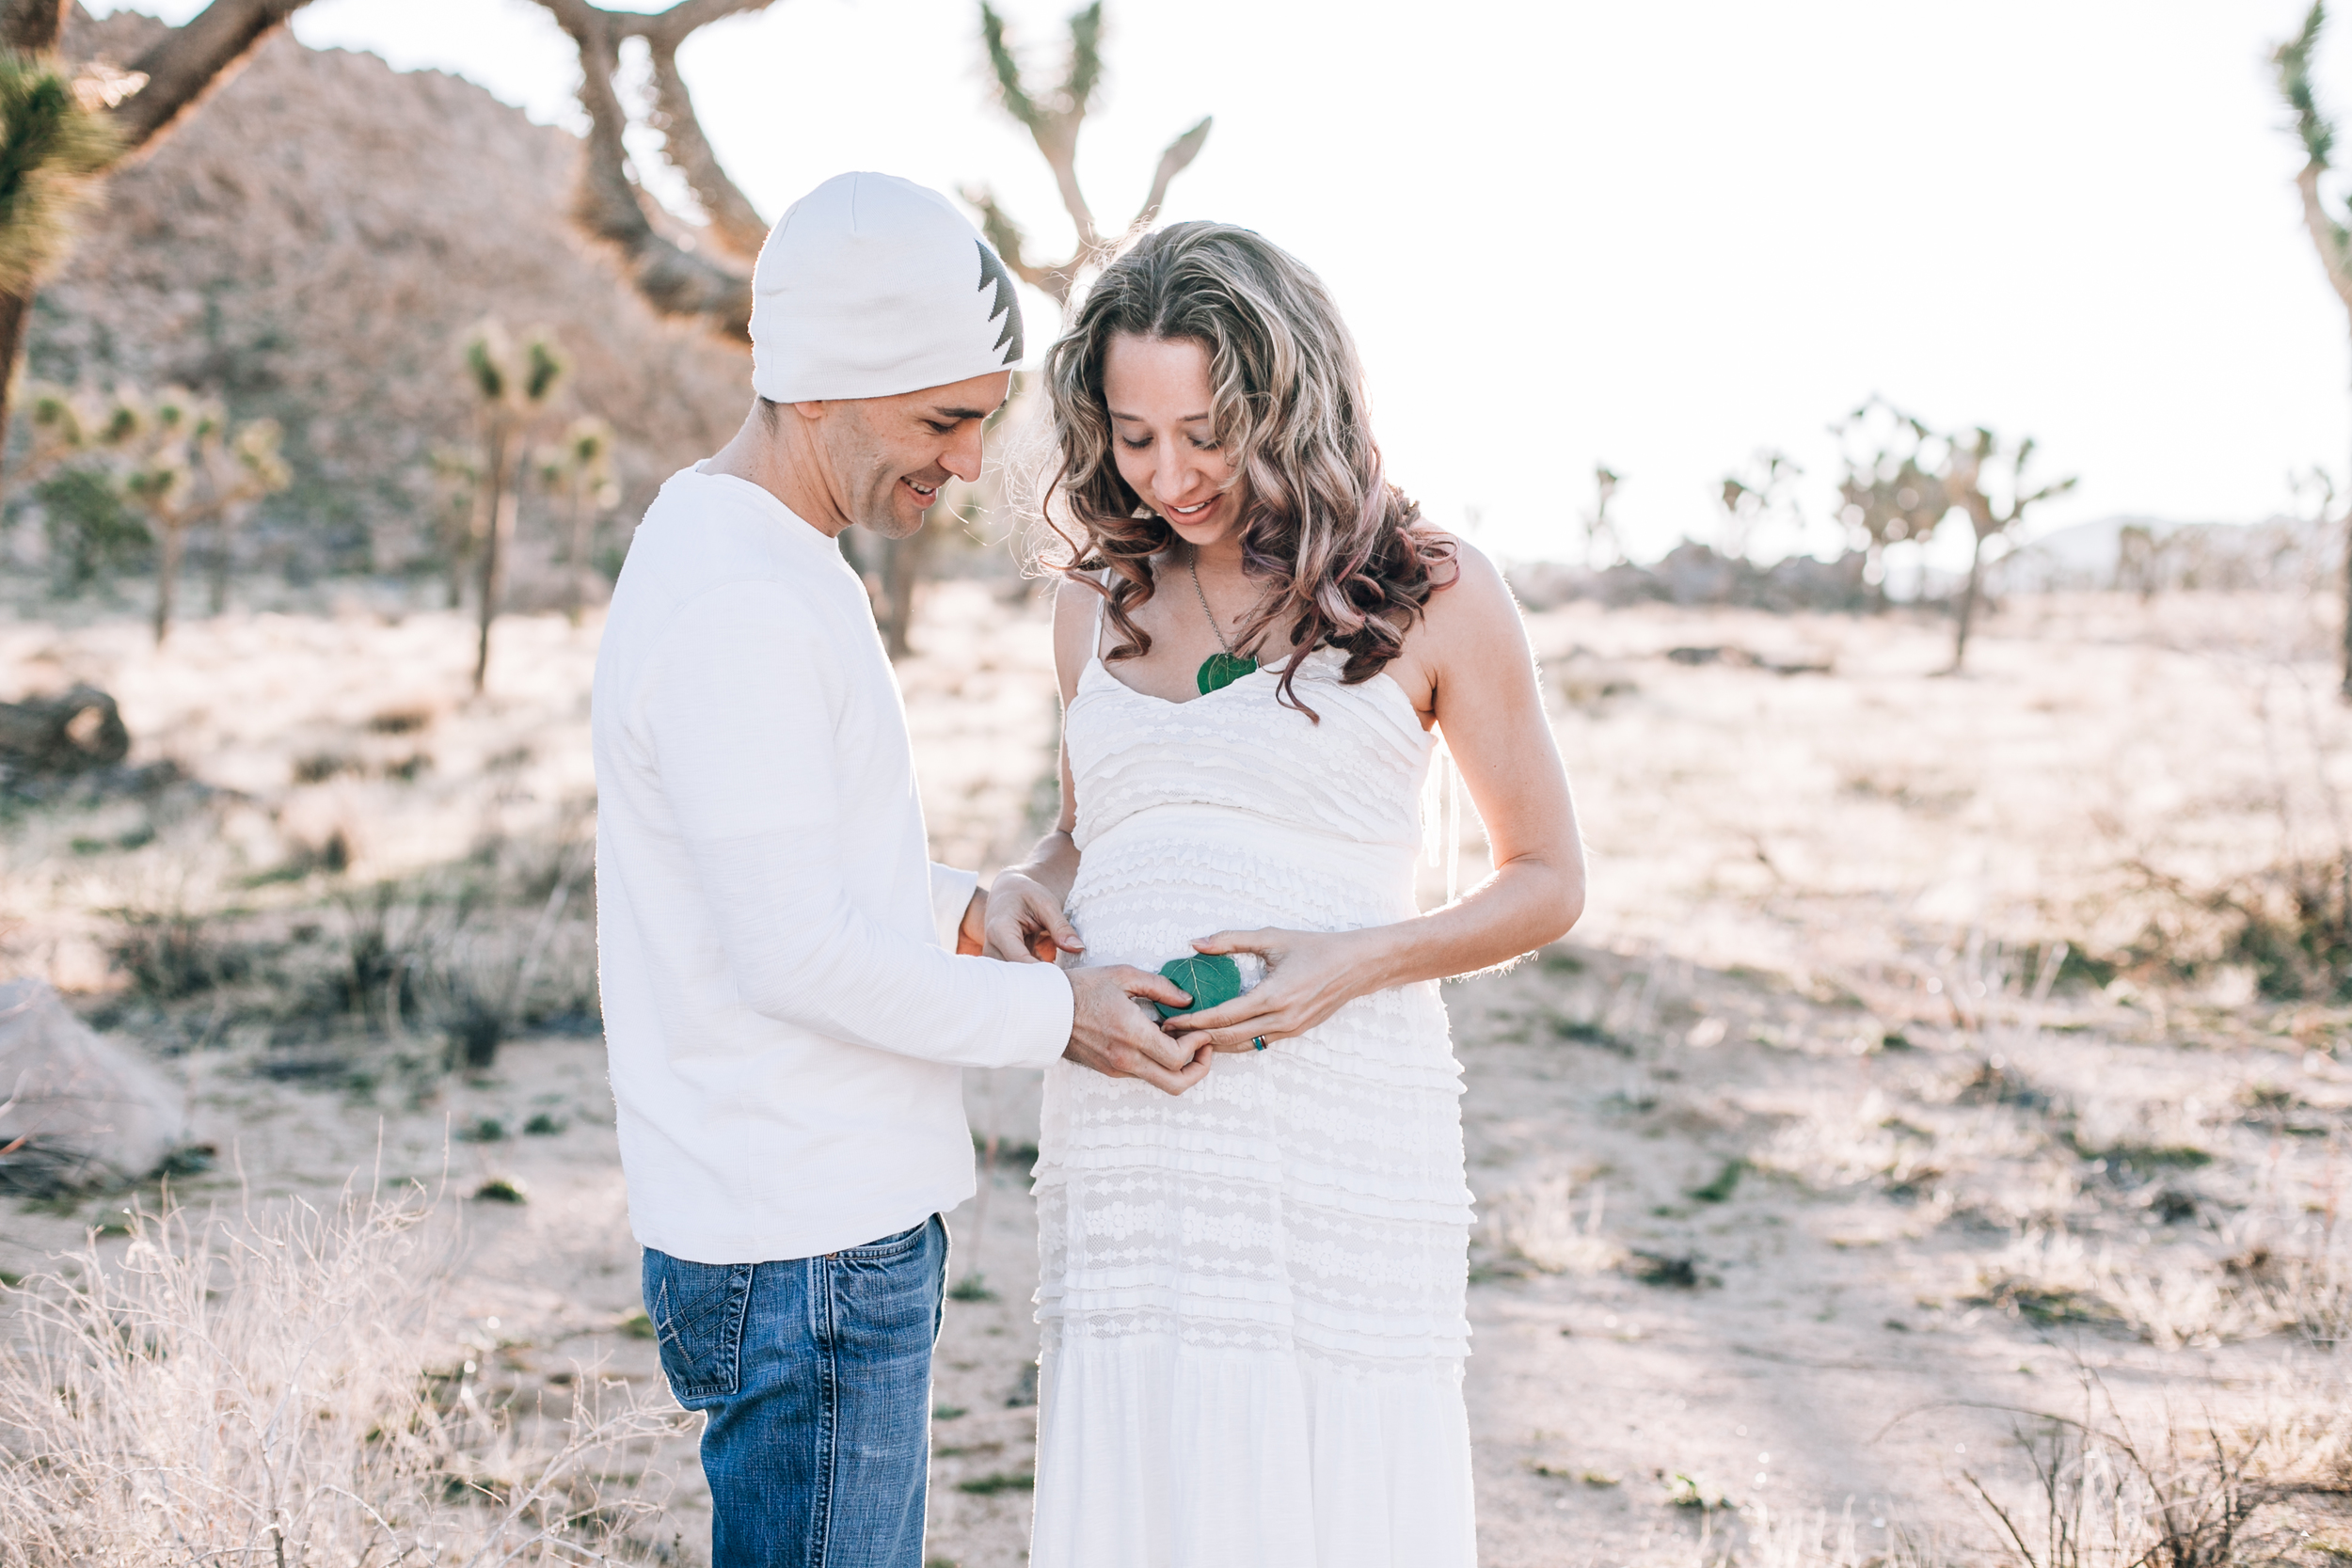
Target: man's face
x,y
889,456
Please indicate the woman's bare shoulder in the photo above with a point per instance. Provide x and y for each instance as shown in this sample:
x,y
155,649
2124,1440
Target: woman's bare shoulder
x,y
1477,604
1075,609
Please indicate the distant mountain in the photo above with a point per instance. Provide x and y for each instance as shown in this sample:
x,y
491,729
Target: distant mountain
x,y
2156,553
313,244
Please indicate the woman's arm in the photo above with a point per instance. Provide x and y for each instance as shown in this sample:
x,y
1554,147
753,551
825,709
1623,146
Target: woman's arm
x,y
1024,921
1472,649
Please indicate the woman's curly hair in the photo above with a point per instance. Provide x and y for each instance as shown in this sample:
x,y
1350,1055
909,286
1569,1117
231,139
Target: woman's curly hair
x,y
1343,554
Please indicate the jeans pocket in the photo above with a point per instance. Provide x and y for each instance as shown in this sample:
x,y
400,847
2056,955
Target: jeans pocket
x,y
892,1291
889,1247
698,1311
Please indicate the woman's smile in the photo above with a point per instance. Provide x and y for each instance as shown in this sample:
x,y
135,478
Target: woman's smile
x,y
1198,512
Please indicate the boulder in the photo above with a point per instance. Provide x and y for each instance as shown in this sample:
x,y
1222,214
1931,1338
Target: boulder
x,y
73,734
77,1112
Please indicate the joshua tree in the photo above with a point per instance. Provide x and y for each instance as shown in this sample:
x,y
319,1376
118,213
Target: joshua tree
x,y
581,470
1602,548
513,395
2328,234
1893,490
1766,492
173,459
79,447
61,130
1995,501
1052,120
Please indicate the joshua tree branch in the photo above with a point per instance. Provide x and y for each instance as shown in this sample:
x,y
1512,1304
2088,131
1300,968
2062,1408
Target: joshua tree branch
x,y
674,280
31,26
2327,236
733,221
1180,155
188,62
1006,237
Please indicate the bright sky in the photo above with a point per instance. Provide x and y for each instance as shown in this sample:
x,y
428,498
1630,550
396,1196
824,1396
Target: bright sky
x,y
1658,236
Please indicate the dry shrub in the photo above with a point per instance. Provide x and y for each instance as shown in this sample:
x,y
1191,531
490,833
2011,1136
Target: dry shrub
x,y
2309,1288
2104,1497
257,1389
2289,922
2050,1277
1816,1540
2305,1425
1537,1223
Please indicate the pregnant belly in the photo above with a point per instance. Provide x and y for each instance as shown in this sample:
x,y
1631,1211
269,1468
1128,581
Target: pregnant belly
x,y
1150,883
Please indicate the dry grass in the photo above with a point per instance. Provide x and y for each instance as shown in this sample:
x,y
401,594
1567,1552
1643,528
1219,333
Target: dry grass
x,y
1546,1224
267,1388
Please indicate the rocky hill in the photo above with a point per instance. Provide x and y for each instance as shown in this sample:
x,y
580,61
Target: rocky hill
x,y
313,244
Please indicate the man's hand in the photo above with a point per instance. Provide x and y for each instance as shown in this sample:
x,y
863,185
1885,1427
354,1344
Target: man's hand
x,y
1116,1037
1024,923
972,933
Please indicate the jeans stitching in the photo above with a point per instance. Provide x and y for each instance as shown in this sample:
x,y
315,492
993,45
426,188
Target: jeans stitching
x,y
891,1249
720,1375
828,1417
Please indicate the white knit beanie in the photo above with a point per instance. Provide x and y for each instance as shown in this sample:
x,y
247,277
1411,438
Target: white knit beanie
x,y
870,286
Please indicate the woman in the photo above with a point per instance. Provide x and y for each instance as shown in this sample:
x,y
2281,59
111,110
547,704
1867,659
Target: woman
x,y
1252,1295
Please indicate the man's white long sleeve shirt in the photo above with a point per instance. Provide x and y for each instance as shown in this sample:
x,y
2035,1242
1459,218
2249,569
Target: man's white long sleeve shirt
x,y
787,1017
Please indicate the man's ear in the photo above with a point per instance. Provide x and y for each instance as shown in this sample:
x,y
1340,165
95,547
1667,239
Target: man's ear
x,y
815,409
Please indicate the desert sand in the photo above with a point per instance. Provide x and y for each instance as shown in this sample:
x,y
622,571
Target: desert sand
x,y
1811,1158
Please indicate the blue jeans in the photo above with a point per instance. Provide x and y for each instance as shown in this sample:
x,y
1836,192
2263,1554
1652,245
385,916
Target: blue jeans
x,y
815,1374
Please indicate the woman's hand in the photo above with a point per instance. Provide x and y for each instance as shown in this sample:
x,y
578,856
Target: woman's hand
x,y
1025,922
1310,976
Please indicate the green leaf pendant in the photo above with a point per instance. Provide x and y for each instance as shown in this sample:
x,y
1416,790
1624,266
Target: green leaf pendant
x,y
1219,671
1211,979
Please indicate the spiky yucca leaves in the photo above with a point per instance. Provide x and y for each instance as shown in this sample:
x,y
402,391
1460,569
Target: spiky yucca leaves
x,y
50,145
2294,60
2317,134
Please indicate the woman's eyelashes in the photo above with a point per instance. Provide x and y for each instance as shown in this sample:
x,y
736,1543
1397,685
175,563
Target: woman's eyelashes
x,y
1140,442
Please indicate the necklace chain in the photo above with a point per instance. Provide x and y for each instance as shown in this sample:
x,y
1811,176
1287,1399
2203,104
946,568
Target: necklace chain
x,y
1192,562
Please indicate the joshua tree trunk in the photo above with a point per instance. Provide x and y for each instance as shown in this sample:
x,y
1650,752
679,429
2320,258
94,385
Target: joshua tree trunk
x,y
584,525
224,548
169,549
461,543
13,309
1968,604
504,501
903,561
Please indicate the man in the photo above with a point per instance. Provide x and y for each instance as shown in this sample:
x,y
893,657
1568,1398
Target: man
x,y
790,991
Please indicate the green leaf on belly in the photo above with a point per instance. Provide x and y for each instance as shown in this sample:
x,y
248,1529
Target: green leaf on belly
x,y
1210,979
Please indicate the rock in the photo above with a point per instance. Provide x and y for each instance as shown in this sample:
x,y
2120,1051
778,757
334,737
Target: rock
x,y
73,734
77,1112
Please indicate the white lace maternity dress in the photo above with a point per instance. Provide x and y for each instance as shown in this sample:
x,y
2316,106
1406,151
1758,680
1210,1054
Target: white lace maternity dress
x,y
1251,1296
